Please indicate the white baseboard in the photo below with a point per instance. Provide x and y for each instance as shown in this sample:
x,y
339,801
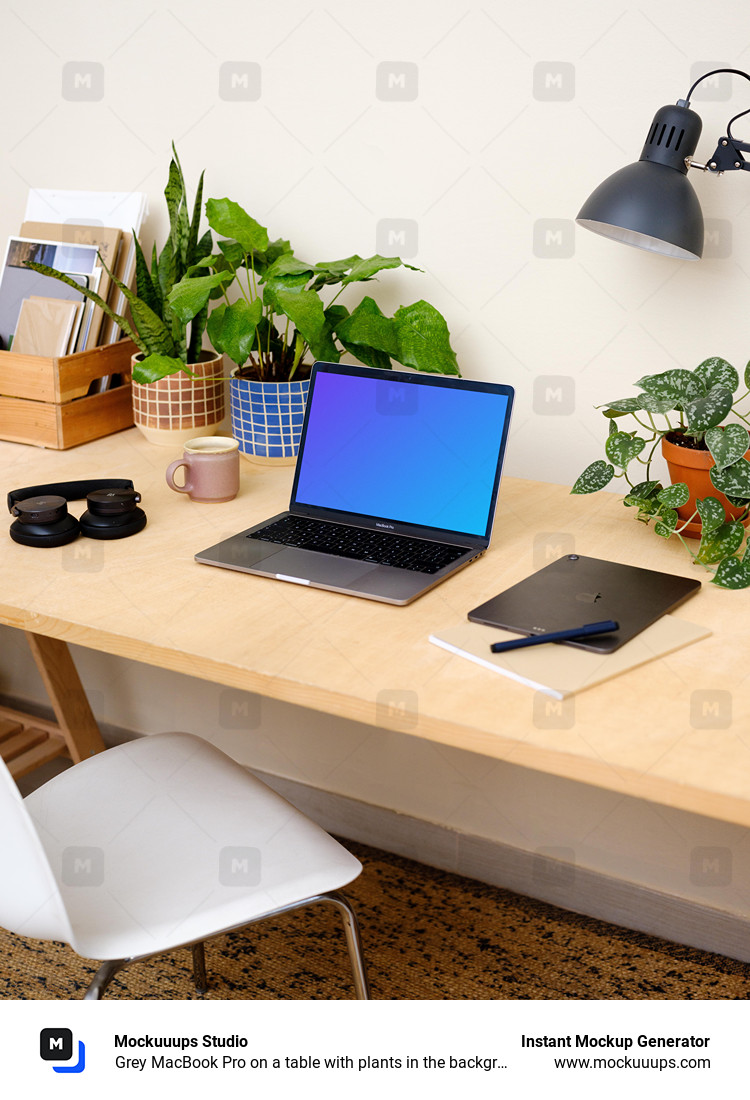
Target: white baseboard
x,y
617,901
578,889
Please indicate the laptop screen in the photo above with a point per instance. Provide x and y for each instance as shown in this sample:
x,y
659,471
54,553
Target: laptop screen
x,y
414,449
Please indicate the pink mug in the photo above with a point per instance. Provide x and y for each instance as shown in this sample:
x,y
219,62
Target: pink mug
x,y
212,469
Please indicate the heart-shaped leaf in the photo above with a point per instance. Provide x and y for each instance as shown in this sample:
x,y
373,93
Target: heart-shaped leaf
x,y
677,386
727,444
594,477
621,448
734,480
706,412
717,372
646,508
643,496
711,512
674,496
644,490
666,524
651,403
624,405
732,573
720,543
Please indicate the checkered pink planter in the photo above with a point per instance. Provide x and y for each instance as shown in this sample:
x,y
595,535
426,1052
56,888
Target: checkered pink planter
x,y
178,408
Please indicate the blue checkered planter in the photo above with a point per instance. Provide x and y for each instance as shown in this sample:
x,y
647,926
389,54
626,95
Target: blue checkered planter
x,y
267,417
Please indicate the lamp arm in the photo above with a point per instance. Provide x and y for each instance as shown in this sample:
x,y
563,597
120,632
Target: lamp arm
x,y
728,155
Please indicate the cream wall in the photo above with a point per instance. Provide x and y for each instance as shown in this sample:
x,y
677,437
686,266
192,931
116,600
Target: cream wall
x,y
495,123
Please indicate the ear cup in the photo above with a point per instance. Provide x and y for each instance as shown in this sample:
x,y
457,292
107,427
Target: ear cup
x,y
112,514
43,521
112,527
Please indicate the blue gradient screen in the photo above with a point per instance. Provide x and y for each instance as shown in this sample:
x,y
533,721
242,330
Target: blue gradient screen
x,y
409,452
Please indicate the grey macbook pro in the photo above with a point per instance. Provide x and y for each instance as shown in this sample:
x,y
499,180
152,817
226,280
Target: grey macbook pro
x,y
575,590
395,486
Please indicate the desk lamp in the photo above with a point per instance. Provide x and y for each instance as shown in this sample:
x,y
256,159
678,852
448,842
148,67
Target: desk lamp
x,y
651,204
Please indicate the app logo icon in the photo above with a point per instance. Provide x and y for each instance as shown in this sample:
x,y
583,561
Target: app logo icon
x,y
56,1045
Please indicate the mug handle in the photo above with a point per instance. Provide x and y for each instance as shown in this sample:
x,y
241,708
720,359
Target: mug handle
x,y
172,469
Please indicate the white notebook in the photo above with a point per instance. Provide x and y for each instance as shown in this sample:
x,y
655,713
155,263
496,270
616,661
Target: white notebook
x,y
563,670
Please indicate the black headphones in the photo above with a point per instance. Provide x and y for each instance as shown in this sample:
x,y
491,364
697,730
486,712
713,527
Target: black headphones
x,y
42,517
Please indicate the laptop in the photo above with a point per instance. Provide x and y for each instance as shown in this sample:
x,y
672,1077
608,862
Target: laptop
x,y
575,590
395,486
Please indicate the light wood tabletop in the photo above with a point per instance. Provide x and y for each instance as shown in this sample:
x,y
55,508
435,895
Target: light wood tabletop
x,y
675,731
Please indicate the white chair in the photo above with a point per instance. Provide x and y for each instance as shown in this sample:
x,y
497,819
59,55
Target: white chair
x,y
161,843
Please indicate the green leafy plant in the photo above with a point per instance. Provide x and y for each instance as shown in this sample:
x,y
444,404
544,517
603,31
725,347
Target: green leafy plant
x,y
689,408
279,315
154,326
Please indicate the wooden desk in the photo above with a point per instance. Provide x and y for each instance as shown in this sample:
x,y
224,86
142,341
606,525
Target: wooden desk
x,y
145,598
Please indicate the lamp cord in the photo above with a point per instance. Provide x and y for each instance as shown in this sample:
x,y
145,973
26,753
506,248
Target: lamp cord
x,y
715,72
729,124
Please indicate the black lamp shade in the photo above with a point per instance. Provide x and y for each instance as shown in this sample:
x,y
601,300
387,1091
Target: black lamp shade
x,y
651,204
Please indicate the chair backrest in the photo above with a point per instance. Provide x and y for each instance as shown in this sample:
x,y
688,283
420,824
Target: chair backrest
x,y
30,901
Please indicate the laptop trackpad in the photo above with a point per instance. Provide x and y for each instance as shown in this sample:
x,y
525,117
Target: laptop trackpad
x,y
238,552
307,565
269,558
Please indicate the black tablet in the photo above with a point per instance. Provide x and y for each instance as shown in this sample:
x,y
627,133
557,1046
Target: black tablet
x,y
576,590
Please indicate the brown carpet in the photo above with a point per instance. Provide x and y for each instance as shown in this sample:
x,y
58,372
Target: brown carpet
x,y
427,935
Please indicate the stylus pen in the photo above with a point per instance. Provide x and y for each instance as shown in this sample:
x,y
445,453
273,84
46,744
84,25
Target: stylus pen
x,y
606,627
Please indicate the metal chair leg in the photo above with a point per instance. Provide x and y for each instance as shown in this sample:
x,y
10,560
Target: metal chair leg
x,y
103,977
107,970
353,943
199,967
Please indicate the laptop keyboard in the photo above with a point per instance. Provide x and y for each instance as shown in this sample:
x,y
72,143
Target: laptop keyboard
x,y
353,542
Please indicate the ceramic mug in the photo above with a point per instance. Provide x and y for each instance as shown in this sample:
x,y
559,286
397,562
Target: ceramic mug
x,y
212,469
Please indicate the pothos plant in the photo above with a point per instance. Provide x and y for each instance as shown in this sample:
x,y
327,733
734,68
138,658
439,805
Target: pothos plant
x,y
689,408
281,316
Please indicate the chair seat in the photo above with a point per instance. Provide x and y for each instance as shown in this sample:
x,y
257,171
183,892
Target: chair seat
x,y
165,840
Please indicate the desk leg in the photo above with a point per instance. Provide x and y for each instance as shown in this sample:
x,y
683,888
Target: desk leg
x,y
75,718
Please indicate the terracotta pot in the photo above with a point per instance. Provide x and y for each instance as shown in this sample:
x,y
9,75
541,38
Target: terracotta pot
x,y
693,466
179,407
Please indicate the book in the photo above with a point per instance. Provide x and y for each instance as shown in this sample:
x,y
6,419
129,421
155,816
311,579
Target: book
x,y
44,326
18,282
73,341
107,242
123,210
562,670
124,272
88,310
